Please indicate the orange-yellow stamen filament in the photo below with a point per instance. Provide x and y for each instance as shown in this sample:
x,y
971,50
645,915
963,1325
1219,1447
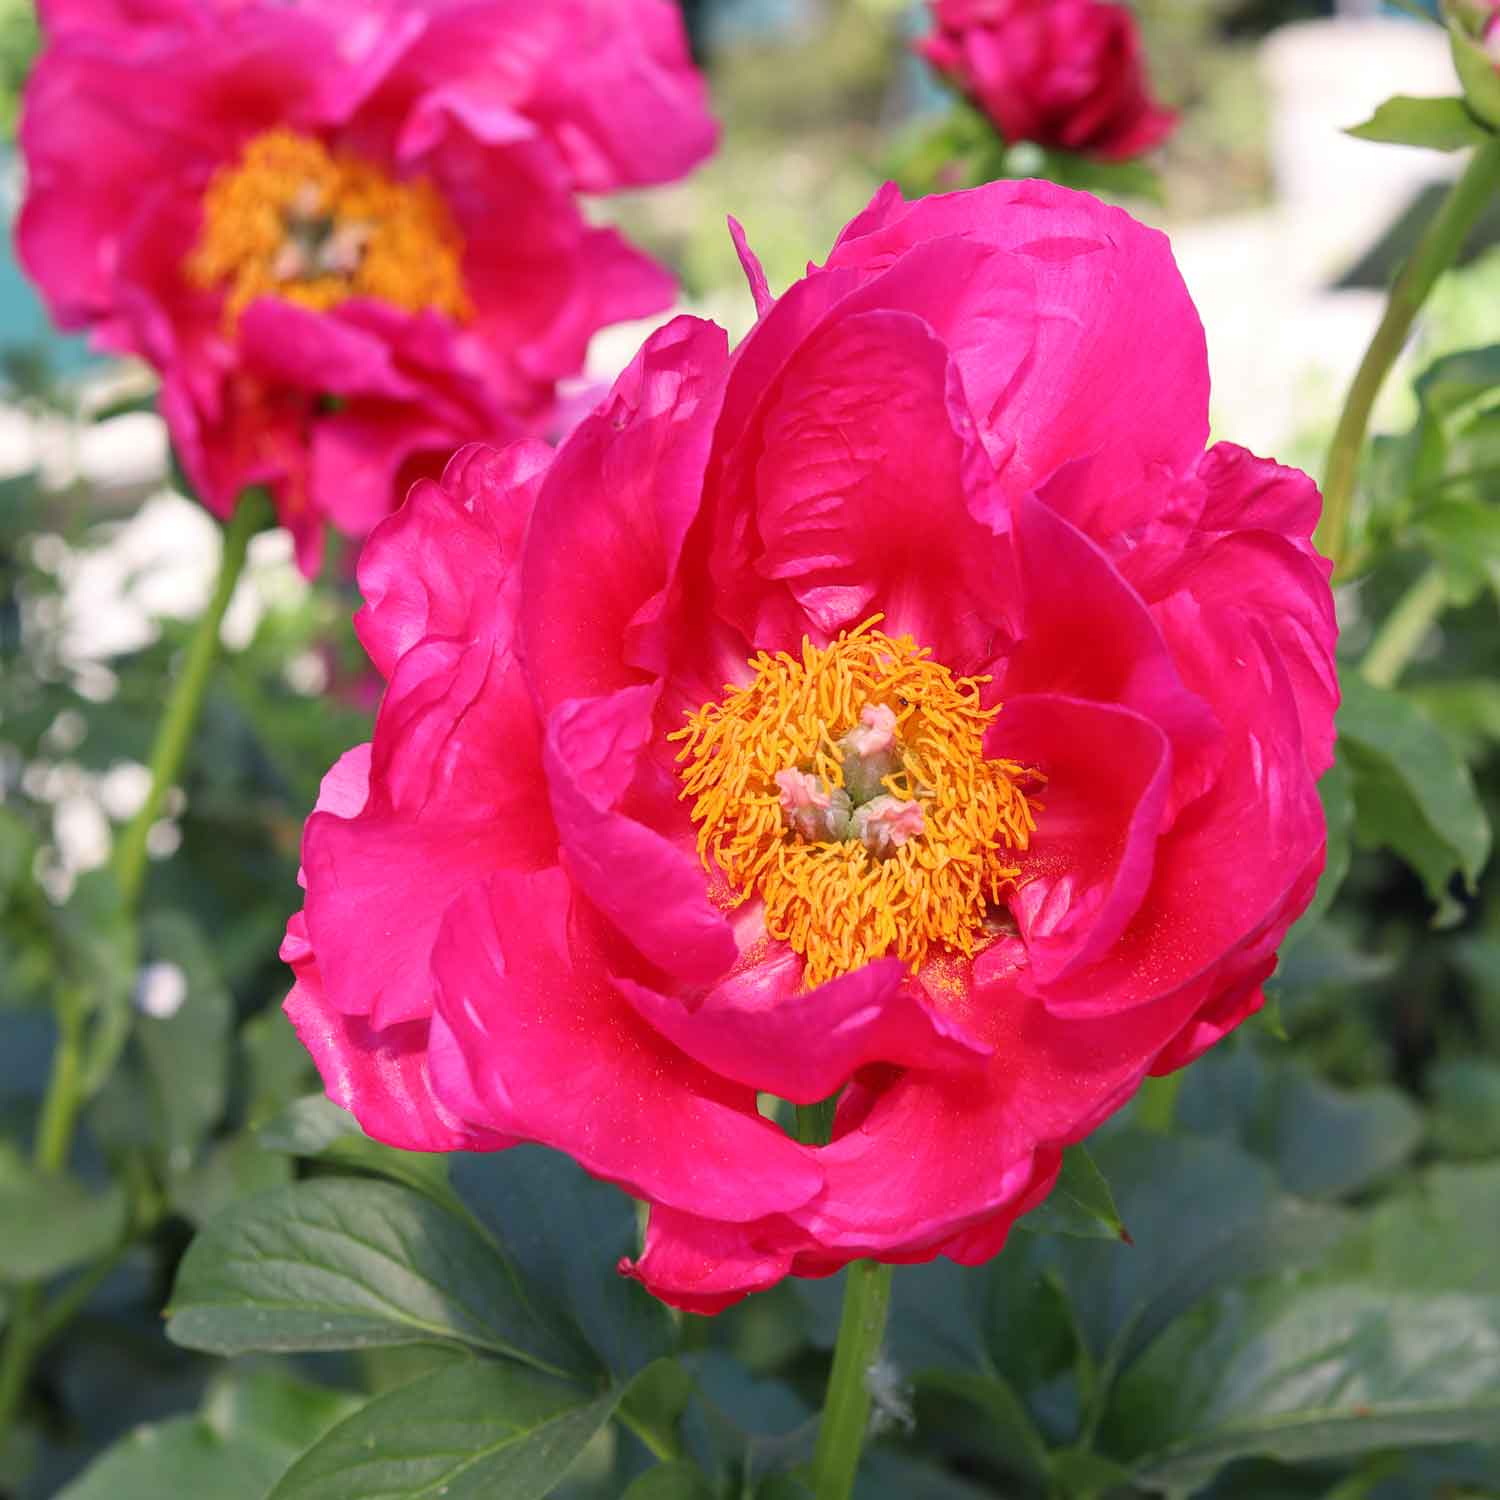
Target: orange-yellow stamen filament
x,y
291,219
905,879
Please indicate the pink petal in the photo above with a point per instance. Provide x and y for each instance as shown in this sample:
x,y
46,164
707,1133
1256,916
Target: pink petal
x,y
848,519
1104,804
556,1057
433,567
653,889
380,1077
611,517
805,1046
704,1266
1096,640
1130,388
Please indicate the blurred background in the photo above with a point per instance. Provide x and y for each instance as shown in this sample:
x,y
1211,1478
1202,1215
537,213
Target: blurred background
x,y
1383,1057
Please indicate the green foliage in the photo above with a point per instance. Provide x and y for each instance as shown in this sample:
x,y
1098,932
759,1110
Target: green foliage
x,y
1080,1204
249,1430
345,1264
1412,794
472,1431
1438,124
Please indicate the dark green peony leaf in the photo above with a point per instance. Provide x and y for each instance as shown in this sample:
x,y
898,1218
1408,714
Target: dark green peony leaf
x,y
473,1431
349,1264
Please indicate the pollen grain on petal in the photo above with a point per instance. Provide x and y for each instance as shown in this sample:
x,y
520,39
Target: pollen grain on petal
x,y
930,842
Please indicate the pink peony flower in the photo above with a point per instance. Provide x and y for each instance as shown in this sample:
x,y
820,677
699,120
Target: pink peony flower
x,y
1067,74
628,850
345,231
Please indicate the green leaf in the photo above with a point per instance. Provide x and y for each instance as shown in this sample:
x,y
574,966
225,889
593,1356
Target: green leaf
x,y
1449,385
473,1431
1411,792
1465,1116
656,1398
1080,1204
315,1126
1439,1236
1476,71
250,1429
567,1231
1439,124
347,1264
1394,1342
1336,789
1327,1142
1464,537
679,1481
1305,1372
893,1476
1083,1475
1204,1216
230,1170
783,1487
54,1223
1323,1141
1010,1437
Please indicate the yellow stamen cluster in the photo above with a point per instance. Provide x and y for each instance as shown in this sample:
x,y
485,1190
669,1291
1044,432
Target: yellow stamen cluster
x,y
291,219
835,902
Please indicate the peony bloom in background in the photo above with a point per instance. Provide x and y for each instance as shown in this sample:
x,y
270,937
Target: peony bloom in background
x,y
906,708
345,232
1065,74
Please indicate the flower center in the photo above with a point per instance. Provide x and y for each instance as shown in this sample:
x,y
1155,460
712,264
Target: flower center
x,y
290,219
850,791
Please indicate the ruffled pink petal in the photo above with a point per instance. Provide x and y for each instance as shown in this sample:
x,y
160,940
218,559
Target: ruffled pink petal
x,y
380,1077
863,460
89,167
435,566
377,889
1251,551
704,1266
554,1055
1096,640
1255,841
1130,388
611,518
608,84
318,352
649,886
358,453
805,1046
895,1181
1109,772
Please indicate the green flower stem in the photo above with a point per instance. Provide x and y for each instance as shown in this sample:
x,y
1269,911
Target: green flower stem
x,y
84,1056
1158,1103
186,699
846,1409
1404,629
1435,252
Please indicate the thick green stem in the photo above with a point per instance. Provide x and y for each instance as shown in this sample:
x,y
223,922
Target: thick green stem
x,y
186,699
846,1409
84,1055
1404,629
1435,252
